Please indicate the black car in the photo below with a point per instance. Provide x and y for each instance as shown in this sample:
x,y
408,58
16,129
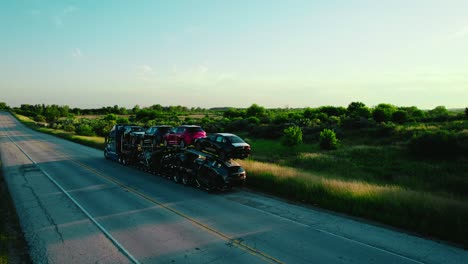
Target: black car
x,y
225,145
218,174
156,133
206,171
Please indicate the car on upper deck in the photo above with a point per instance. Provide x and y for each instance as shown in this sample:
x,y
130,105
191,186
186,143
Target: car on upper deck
x,y
155,134
183,136
225,145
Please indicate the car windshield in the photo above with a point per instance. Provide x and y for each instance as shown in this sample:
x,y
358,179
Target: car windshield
x,y
194,129
137,129
164,129
235,139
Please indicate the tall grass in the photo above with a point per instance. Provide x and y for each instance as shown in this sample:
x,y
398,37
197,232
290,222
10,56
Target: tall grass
x,y
378,182
418,211
91,141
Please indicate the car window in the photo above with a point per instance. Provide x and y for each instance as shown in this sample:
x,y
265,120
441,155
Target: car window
x,y
194,129
236,139
219,139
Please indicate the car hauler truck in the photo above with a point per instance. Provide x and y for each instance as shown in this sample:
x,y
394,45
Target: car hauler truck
x,y
127,145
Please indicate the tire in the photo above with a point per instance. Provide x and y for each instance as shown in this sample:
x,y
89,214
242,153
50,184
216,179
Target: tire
x,y
186,179
182,143
105,155
177,176
165,143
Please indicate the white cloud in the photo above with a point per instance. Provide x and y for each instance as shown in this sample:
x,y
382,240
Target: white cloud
x,y
144,72
76,53
58,19
461,33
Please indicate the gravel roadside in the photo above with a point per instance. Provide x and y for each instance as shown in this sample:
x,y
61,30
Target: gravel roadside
x,y
13,247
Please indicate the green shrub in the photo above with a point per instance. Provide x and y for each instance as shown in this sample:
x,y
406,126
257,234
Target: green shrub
x,y
39,118
328,140
436,144
85,130
292,136
69,128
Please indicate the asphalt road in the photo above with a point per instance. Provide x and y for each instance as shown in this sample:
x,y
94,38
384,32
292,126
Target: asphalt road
x,y
76,207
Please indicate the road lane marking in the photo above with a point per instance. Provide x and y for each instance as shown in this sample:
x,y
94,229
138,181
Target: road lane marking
x,y
232,241
107,234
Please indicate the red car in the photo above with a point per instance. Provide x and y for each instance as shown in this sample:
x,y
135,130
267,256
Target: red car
x,y
183,135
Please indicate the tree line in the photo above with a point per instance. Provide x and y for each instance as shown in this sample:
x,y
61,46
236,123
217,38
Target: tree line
x,y
294,126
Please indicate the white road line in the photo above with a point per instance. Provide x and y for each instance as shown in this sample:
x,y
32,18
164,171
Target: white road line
x,y
106,233
339,236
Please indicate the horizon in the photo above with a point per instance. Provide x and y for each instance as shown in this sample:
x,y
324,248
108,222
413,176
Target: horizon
x,y
291,54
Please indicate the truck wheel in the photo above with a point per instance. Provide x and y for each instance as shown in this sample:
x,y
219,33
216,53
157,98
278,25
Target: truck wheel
x,y
165,143
182,143
105,155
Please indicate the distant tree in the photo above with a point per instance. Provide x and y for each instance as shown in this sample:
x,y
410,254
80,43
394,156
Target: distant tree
x,y
309,113
292,136
233,113
439,113
256,110
332,110
400,116
358,109
383,112
328,140
3,106
466,112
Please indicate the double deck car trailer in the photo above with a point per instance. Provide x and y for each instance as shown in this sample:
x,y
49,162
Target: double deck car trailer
x,y
128,145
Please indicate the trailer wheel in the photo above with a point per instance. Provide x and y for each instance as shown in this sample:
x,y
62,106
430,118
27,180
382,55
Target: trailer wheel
x,y
186,179
182,143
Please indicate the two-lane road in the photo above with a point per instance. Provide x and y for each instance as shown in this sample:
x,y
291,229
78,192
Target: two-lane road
x,y
76,207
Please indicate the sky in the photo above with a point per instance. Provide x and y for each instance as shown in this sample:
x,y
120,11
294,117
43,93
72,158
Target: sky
x,y
216,53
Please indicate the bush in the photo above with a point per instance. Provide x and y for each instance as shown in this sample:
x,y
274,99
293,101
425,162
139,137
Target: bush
x,y
69,128
328,140
292,136
440,144
85,130
39,118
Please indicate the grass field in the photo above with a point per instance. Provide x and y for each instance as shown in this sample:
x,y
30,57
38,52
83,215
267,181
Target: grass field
x,y
365,178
